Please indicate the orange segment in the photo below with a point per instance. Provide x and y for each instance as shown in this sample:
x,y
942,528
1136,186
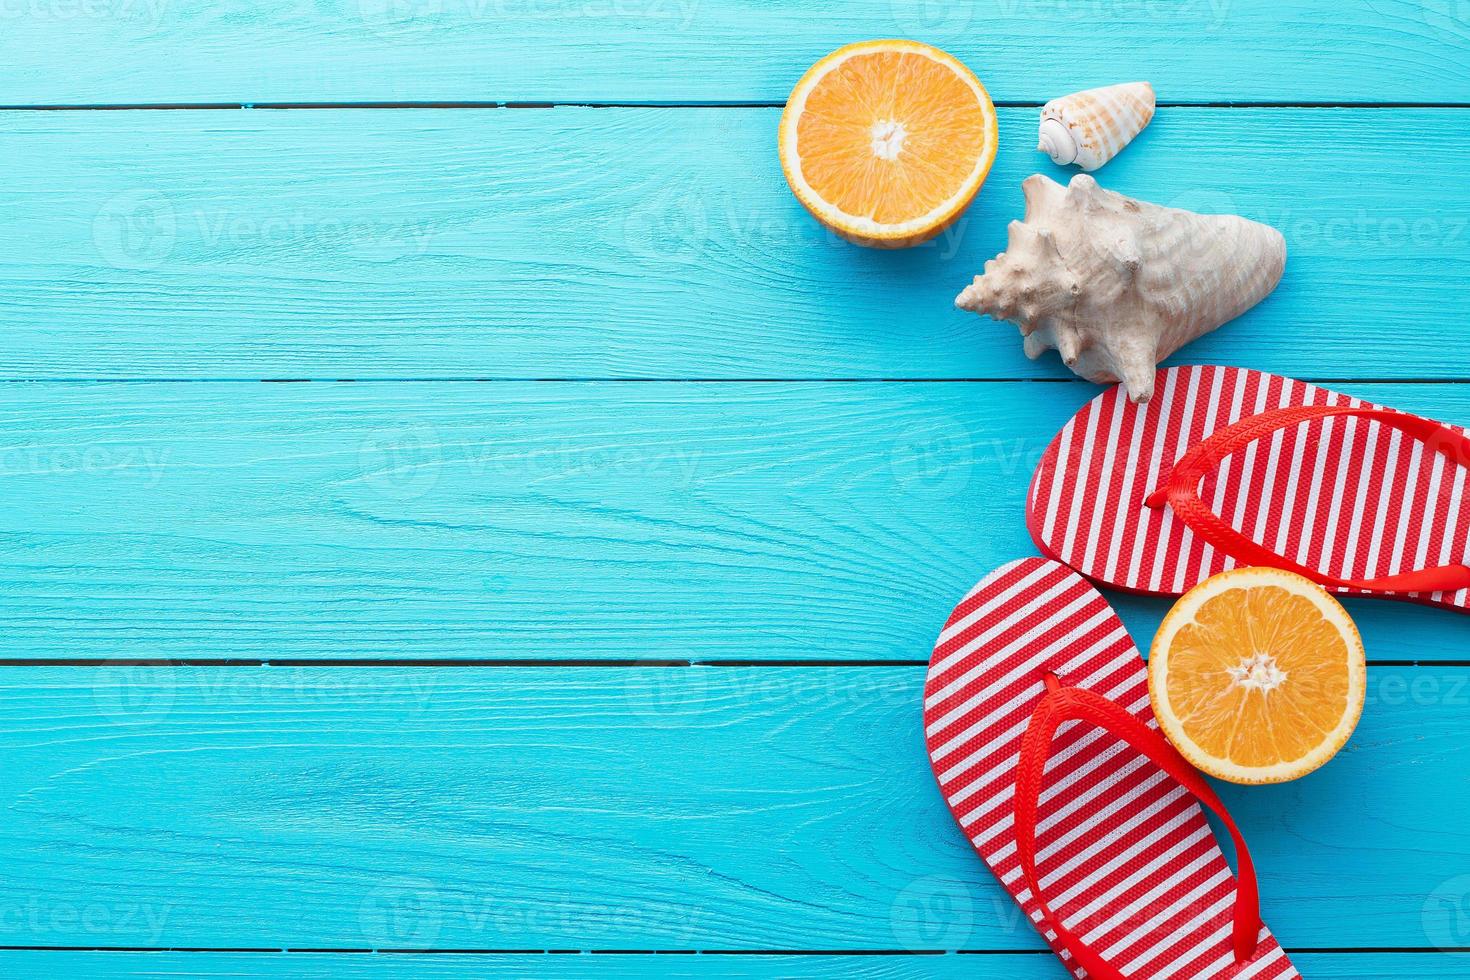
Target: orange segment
x,y
1257,675
886,142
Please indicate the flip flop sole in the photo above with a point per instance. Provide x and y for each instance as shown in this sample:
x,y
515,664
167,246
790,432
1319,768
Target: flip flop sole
x,y
1125,856
1350,497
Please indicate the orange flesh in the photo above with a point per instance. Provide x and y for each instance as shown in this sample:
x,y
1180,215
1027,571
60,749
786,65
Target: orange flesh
x,y
1230,715
944,131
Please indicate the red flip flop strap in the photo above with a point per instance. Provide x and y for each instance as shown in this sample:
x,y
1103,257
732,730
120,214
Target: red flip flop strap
x,y
1181,491
1061,704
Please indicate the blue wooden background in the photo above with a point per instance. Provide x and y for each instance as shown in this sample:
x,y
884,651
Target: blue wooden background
x,y
462,518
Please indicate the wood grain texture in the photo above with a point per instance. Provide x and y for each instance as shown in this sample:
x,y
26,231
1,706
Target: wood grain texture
x,y
151,51
614,808
606,808
25,965
537,521
642,243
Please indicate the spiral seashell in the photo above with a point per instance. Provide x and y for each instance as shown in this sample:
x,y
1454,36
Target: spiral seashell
x,y
1090,128
1116,285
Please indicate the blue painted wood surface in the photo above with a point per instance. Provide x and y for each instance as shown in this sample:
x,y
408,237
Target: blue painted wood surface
x,y
451,244
91,52
784,484
521,521
618,808
317,966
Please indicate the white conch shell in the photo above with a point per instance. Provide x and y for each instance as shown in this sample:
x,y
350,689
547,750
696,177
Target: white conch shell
x,y
1089,128
1117,285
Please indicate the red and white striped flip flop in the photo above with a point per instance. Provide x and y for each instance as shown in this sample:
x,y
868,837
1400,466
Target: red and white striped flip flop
x,y
1227,467
1039,729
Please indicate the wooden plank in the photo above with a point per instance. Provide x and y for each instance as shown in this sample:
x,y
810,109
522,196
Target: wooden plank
x,y
581,243
24,965
533,521
614,808
149,51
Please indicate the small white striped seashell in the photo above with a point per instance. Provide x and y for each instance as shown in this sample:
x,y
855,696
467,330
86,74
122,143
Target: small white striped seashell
x,y
1089,128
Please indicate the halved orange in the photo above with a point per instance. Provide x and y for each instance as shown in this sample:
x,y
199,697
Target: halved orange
x,y
1257,675
886,142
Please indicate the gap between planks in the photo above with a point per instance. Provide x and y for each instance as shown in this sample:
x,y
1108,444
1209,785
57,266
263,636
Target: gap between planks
x,y
544,662
511,379
691,104
447,951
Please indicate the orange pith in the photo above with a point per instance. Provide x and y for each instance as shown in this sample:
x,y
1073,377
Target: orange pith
x,y
1257,675
886,142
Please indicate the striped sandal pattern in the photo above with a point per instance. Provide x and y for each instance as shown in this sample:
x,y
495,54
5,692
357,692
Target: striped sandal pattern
x,y
1226,466
1037,720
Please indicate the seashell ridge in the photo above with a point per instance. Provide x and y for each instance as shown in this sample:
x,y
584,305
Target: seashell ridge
x,y
1116,285
1090,128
